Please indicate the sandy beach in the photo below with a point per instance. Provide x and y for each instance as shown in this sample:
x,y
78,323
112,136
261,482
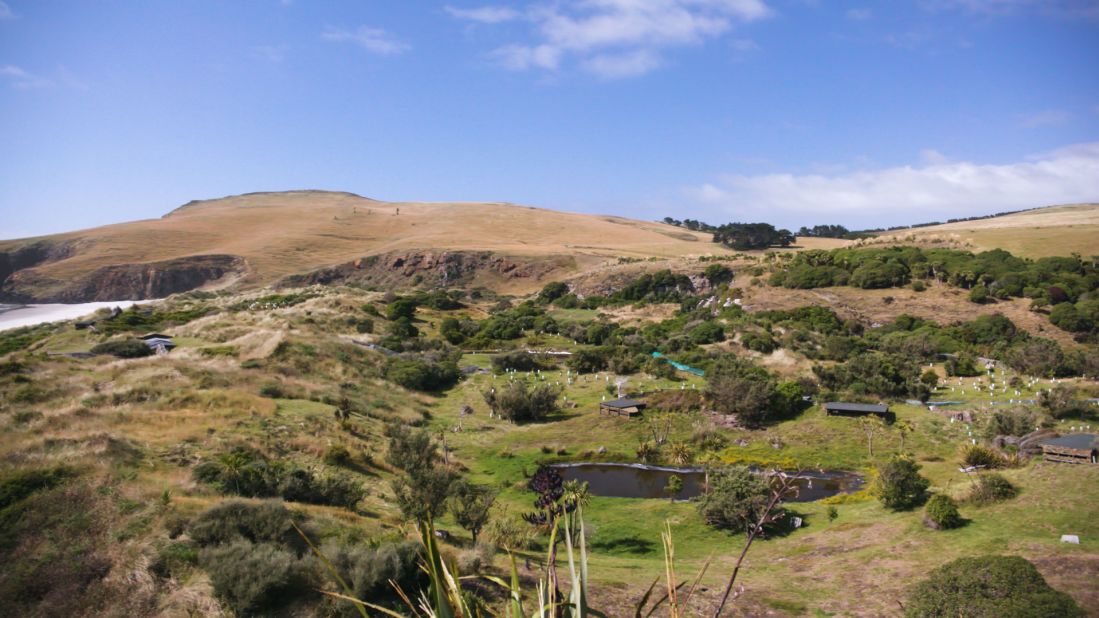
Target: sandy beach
x,y
17,316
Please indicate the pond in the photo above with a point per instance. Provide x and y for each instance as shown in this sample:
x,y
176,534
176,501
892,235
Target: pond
x,y
619,480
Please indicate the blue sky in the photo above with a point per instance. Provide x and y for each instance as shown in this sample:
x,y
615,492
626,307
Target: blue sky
x,y
795,112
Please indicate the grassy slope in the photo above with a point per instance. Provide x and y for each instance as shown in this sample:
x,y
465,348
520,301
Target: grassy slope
x,y
861,564
295,232
1057,230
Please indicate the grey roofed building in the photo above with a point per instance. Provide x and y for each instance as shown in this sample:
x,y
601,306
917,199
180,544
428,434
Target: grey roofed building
x,y
1073,448
839,407
621,407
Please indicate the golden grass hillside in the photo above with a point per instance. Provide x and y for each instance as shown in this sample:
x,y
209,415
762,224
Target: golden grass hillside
x,y
280,234
1042,232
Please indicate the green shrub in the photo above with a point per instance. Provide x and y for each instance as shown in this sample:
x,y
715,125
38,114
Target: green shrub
x,y
979,294
272,390
17,486
942,512
235,521
370,569
518,403
337,455
517,360
1017,422
175,560
736,498
991,488
26,416
28,393
256,579
123,348
980,455
421,374
988,587
919,286
899,485
365,325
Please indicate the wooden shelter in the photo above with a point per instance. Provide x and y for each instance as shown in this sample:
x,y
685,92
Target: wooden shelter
x,y
1079,448
856,409
621,407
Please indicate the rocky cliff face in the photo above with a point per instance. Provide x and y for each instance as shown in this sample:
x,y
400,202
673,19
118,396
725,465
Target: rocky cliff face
x,y
115,282
31,255
442,268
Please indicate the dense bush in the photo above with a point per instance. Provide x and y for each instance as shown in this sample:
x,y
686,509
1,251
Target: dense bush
x,y
1017,422
520,404
369,570
422,490
736,498
942,512
552,291
17,486
235,521
517,360
991,488
877,374
749,236
736,386
978,455
988,587
256,579
337,455
247,472
899,485
422,374
123,348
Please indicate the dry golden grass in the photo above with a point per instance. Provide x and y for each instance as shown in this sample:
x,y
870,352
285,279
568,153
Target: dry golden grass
x,y
294,232
1057,230
939,303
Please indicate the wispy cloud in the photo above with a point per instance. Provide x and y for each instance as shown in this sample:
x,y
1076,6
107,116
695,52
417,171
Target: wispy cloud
x,y
627,64
935,189
5,11
374,40
22,79
1049,117
484,14
613,38
859,14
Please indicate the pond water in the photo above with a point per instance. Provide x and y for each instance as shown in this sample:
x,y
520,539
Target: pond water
x,y
617,480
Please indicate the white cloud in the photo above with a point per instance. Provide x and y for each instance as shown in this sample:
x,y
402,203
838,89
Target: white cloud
x,y
484,14
935,190
374,40
629,64
859,14
22,79
1049,117
5,11
613,38
521,57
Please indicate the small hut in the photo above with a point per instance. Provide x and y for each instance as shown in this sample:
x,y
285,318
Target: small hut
x,y
621,407
1076,448
159,342
856,409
